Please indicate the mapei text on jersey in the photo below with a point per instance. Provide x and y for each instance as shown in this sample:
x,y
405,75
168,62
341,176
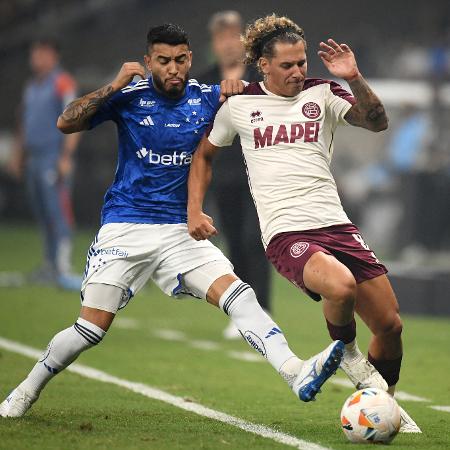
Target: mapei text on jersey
x,y
287,134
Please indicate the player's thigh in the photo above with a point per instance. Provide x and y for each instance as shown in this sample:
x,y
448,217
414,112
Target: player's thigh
x,y
377,305
122,255
187,266
324,274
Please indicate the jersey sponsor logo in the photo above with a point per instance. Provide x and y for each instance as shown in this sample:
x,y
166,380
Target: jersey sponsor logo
x,y
147,121
298,249
195,101
308,132
174,159
172,125
256,116
311,110
255,342
146,103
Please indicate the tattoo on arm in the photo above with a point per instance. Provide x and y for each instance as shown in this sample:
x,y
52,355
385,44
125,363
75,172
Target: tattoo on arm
x,y
77,113
368,112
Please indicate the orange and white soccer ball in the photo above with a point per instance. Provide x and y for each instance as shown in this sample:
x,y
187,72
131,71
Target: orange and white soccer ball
x,y
370,415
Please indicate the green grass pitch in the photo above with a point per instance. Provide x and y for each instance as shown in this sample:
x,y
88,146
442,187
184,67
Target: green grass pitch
x,y
77,413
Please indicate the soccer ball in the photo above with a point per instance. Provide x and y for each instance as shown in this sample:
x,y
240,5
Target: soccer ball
x,y
370,415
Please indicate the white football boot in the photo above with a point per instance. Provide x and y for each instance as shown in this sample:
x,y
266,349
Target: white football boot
x,y
316,370
17,403
361,372
407,425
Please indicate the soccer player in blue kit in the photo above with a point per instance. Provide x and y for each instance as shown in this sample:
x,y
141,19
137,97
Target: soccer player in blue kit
x,y
160,121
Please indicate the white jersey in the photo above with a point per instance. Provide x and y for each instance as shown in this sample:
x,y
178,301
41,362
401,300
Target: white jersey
x,y
287,144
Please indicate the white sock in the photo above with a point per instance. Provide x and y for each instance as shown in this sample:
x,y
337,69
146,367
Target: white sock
x,y
290,370
352,351
258,329
62,350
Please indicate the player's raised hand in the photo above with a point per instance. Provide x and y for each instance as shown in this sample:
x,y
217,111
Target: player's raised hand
x,y
338,59
126,74
229,88
200,226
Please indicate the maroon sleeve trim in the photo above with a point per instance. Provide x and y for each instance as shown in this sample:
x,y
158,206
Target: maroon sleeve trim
x,y
335,88
253,89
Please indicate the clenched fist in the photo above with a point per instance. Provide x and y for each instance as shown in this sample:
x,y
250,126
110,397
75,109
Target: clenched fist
x,y
126,74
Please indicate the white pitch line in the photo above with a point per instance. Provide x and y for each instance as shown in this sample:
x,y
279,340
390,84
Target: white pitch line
x,y
126,323
402,395
170,335
179,402
440,408
204,345
399,395
246,356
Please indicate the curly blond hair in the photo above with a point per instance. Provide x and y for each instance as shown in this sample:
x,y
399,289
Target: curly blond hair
x,y
261,36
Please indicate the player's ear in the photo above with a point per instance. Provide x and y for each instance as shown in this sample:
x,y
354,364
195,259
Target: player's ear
x,y
148,62
264,65
190,59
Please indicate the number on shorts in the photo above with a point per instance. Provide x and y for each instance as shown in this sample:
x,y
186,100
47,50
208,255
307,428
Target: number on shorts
x,y
360,239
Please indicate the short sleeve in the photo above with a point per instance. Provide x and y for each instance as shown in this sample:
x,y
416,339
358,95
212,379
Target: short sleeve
x,y
339,101
211,94
223,131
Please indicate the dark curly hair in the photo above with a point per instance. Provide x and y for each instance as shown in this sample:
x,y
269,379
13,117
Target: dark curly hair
x,y
261,36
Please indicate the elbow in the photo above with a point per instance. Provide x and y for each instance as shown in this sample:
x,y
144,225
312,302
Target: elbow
x,y
381,126
66,127
62,125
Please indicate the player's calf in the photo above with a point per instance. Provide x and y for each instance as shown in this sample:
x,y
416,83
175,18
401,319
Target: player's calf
x,y
63,349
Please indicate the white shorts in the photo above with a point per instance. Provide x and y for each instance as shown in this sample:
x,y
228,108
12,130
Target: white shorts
x,y
126,255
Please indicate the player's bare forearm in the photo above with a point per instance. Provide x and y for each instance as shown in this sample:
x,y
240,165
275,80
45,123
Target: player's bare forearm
x,y
368,112
200,174
77,113
200,226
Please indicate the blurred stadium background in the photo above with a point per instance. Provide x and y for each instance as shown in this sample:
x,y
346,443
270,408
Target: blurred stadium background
x,y
395,185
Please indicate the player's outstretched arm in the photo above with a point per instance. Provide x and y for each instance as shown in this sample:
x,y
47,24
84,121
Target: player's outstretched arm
x,y
77,114
368,112
200,225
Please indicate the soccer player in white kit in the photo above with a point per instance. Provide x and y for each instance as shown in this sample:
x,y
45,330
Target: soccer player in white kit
x,y
144,235
286,124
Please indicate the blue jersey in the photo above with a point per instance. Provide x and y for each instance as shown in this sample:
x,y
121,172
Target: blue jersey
x,y
157,137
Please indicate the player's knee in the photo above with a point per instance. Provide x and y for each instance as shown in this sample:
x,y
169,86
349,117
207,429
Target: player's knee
x,y
344,291
391,326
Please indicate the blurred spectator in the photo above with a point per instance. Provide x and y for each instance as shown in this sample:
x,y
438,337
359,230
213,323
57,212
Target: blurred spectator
x,y
44,157
230,186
